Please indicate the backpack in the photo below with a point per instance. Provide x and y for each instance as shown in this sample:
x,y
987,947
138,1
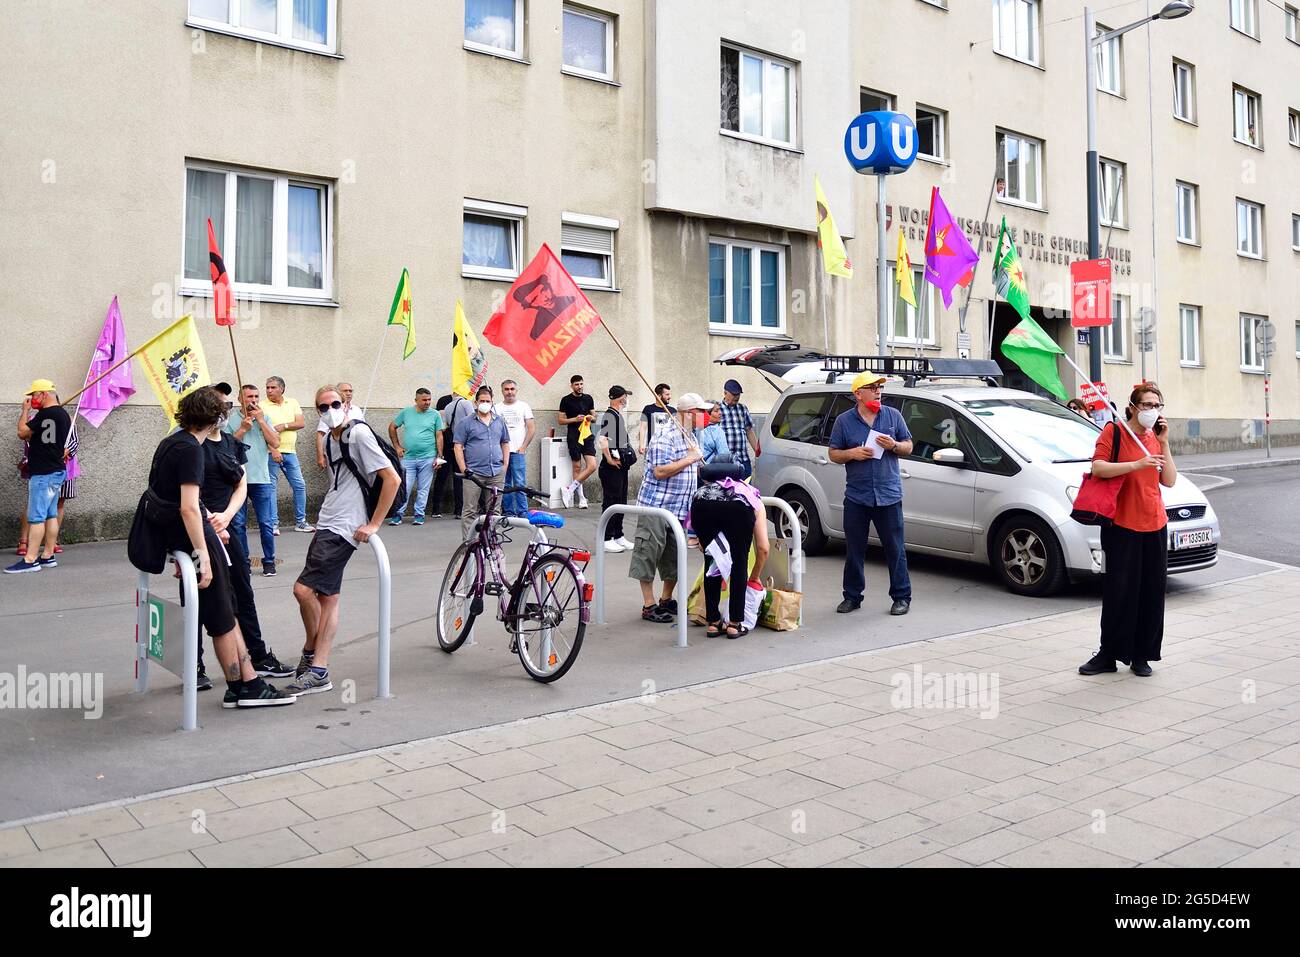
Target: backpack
x,y
371,491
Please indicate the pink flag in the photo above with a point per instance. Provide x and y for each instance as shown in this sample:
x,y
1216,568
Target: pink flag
x,y
111,391
949,259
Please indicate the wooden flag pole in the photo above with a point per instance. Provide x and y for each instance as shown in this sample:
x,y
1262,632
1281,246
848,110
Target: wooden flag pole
x,y
239,379
129,356
690,439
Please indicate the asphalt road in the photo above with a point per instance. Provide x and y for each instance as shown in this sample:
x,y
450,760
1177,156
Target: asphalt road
x,y
1259,513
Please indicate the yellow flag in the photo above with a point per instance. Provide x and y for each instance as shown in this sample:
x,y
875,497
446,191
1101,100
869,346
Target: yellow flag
x,y
584,431
400,314
903,272
468,364
174,364
834,256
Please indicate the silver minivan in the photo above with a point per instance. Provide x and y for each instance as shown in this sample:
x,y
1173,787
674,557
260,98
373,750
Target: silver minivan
x,y
991,477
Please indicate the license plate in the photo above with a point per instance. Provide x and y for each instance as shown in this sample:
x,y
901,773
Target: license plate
x,y
1193,538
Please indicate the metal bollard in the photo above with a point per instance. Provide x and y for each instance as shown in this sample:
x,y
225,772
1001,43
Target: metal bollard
x,y
385,615
598,558
796,543
190,679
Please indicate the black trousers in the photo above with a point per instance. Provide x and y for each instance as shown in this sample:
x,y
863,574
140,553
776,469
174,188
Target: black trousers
x,y
613,491
734,521
241,588
440,486
1133,593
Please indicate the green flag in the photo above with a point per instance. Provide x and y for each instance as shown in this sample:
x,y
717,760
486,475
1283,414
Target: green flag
x,y
1029,347
1008,276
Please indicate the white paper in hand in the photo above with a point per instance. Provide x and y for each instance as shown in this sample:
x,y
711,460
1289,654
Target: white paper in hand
x,y
721,553
872,446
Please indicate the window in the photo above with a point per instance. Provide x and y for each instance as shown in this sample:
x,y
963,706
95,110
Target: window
x,y
492,240
1189,335
1112,193
1250,231
1244,16
1297,339
1015,29
1184,91
587,249
873,101
758,96
800,419
1292,17
931,132
1020,164
1293,127
1114,338
495,26
1245,117
1110,64
746,287
1295,232
1252,357
934,428
274,230
1187,200
308,24
913,325
588,43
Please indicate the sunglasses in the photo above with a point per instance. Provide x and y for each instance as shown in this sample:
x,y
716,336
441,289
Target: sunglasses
x,y
323,408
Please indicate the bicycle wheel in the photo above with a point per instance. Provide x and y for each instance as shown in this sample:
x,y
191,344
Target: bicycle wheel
x,y
456,598
550,628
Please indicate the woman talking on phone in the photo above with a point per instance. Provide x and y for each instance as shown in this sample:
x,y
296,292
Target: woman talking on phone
x,y
1133,590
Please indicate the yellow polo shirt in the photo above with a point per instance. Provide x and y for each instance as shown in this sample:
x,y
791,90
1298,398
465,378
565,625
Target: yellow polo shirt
x,y
285,412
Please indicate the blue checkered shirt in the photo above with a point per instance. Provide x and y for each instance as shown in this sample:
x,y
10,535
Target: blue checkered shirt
x,y
736,423
673,493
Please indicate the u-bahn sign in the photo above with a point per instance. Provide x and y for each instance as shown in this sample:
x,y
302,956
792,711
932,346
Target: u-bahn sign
x,y
881,143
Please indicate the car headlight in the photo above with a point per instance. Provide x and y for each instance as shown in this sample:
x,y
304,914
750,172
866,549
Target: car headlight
x,y
1071,492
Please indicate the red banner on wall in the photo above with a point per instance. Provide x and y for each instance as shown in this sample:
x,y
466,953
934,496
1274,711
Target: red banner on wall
x,y
1090,288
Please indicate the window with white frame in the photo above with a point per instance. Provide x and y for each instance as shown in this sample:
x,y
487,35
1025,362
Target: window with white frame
x,y
1015,29
307,24
1111,200
1297,339
1295,232
931,133
588,43
1020,168
587,249
1245,117
1186,204
1293,127
495,26
1252,357
1110,63
1292,17
1189,335
758,96
274,231
1243,15
1184,91
873,101
746,287
492,240
1250,229
913,325
1114,338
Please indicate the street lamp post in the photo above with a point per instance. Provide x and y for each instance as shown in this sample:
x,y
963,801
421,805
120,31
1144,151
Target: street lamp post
x,y
1170,11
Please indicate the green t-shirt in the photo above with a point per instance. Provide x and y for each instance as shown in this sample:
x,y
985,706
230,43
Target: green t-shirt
x,y
420,432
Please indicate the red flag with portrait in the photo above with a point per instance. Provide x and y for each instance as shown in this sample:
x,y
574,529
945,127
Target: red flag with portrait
x,y
544,319
220,281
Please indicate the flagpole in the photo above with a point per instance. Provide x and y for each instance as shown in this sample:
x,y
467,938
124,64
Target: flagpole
x,y
1111,402
979,254
375,371
131,355
690,439
826,329
238,378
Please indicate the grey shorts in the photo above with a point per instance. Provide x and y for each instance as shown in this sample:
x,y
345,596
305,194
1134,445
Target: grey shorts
x,y
327,556
654,550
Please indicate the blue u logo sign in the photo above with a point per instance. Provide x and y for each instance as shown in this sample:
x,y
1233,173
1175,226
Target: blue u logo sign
x,y
881,143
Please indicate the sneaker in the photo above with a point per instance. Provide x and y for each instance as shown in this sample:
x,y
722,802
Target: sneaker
x,y
1097,664
419,520
1141,669
582,498
310,681
304,527
50,562
268,570
18,567
204,682
275,529
613,547
304,665
257,694
668,607
395,520
566,495
272,667
847,606
625,543
58,549
655,614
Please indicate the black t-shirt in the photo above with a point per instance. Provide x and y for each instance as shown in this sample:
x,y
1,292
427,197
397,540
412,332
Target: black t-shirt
x,y
50,429
177,461
223,467
654,414
573,405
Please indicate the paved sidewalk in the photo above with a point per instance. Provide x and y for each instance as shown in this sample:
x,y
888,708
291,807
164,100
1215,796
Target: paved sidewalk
x,y
1241,459
807,766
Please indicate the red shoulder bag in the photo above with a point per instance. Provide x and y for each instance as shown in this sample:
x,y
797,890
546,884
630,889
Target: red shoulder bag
x,y
1098,497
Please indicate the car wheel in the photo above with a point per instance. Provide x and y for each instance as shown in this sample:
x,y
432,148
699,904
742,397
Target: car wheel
x,y
814,537
1027,557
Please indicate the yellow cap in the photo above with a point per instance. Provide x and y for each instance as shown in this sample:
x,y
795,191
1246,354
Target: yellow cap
x,y
867,378
40,385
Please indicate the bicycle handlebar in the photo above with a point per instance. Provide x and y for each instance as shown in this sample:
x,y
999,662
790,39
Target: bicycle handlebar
x,y
505,490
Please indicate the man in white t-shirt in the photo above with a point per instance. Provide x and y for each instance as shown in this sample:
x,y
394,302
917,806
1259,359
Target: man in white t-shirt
x,y
519,421
354,414
356,466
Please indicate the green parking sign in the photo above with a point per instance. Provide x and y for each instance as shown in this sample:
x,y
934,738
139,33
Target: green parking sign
x,y
156,619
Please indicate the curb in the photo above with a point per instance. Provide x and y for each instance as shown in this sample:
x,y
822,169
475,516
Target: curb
x,y
1239,466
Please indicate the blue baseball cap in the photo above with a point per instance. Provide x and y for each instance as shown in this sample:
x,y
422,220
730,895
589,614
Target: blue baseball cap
x,y
732,386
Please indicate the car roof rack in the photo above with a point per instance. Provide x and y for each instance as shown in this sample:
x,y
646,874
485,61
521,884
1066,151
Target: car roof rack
x,y
913,368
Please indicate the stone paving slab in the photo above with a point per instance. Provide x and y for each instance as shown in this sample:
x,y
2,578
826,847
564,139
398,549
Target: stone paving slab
x,y
814,765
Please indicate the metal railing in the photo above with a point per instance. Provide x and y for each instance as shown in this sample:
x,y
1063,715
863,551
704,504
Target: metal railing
x,y
385,615
145,625
796,543
598,557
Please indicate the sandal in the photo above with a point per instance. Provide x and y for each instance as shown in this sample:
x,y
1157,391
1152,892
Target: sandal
x,y
22,548
741,631
716,630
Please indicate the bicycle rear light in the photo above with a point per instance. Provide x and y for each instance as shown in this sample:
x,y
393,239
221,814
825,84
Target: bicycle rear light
x,y
588,590
581,556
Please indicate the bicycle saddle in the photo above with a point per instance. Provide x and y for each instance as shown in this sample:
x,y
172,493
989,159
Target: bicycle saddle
x,y
545,519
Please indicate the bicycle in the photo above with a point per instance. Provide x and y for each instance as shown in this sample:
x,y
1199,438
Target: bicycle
x,y
545,609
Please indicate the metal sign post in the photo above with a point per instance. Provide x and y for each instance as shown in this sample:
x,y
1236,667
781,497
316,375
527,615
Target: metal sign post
x,y
169,634
1145,333
1265,342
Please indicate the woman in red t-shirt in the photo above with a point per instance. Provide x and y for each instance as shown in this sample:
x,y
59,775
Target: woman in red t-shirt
x,y
1136,544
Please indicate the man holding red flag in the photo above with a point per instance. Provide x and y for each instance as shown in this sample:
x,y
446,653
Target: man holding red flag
x,y
220,281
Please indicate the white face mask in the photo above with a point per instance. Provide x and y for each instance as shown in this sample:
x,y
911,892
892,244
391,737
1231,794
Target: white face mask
x,y
485,407
337,417
1148,417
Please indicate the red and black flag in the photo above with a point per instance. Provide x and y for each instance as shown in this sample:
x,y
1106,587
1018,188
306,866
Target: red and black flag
x,y
220,281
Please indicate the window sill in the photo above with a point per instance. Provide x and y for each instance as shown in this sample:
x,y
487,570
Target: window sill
x,y
740,332
486,277
1118,96
1247,144
279,298
758,140
1020,205
1015,59
903,346
936,160
1251,370
269,41
1116,361
1120,226
1189,242
607,81
1254,259
1192,365
1183,119
586,288
498,54
1243,33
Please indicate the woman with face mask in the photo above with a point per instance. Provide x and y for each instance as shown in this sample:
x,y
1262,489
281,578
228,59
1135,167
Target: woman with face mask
x,y
1133,590
713,441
